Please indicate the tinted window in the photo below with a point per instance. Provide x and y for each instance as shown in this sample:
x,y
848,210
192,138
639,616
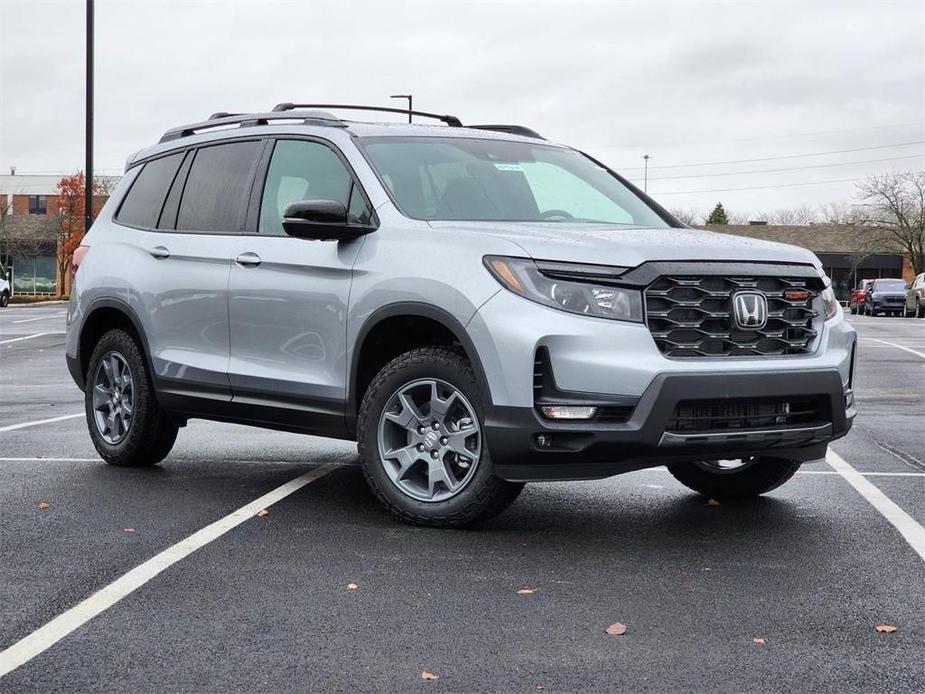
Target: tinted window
x,y
217,189
168,219
302,170
142,205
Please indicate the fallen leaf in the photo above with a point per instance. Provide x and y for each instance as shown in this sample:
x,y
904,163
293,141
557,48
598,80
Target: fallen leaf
x,y
43,505
758,641
540,687
352,586
429,676
616,629
129,530
885,628
707,568
526,591
712,502
262,512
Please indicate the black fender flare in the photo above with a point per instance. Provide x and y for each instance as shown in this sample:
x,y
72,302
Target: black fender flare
x,y
123,307
420,310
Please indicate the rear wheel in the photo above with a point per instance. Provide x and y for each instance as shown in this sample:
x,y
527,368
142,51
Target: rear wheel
x,y
421,443
920,310
127,426
739,478
4,299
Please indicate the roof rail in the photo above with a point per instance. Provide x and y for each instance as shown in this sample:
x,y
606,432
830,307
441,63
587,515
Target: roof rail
x,y
510,130
452,121
221,119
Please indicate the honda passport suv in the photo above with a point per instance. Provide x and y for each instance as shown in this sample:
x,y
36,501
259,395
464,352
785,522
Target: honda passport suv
x,y
475,306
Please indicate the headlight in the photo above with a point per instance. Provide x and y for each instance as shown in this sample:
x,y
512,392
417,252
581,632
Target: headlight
x,y
522,277
832,307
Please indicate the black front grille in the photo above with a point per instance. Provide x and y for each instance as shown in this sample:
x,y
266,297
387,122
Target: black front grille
x,y
691,316
726,415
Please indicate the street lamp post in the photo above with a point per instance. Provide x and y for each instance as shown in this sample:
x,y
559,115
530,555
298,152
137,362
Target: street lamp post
x,y
88,123
645,179
404,96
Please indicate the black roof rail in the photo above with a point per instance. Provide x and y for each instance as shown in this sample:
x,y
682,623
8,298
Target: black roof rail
x,y
452,121
221,119
510,130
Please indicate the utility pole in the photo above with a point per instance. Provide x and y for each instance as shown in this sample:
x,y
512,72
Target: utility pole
x,y
645,180
404,96
88,123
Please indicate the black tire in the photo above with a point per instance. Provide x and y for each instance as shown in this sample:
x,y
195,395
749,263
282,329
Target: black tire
x,y
4,299
485,495
762,475
853,310
151,432
920,310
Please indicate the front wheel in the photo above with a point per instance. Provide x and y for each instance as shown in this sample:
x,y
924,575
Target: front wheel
x,y
920,310
729,479
4,299
422,445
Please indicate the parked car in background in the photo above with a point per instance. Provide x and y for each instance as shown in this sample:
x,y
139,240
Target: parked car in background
x,y
915,297
857,296
887,296
4,288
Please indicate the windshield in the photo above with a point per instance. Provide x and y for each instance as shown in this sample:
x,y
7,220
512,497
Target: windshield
x,y
889,285
443,178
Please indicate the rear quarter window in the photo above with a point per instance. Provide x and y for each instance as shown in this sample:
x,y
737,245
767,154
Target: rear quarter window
x,y
142,204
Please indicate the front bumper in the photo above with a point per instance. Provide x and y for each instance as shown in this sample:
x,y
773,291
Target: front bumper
x,y
596,450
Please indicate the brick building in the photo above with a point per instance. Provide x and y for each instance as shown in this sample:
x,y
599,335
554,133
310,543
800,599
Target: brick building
x,y
29,227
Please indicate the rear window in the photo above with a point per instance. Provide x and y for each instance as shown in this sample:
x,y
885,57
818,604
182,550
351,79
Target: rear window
x,y
142,205
217,189
889,285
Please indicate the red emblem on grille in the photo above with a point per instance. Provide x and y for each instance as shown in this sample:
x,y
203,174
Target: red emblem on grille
x,y
796,295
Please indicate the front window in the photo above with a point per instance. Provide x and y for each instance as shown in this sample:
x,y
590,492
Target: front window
x,y
889,286
38,204
461,179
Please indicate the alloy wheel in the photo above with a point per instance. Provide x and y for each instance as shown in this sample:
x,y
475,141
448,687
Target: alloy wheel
x,y
113,398
430,440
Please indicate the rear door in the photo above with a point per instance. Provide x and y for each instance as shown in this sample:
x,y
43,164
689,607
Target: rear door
x,y
288,296
186,285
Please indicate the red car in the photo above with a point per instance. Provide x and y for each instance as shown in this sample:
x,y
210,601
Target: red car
x,y
857,297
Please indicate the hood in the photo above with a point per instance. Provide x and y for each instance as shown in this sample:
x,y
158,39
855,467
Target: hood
x,y
606,244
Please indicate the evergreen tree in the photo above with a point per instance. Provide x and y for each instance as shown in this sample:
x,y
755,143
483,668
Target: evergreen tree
x,y
718,215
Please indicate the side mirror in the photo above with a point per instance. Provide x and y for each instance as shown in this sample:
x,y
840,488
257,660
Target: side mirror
x,y
321,220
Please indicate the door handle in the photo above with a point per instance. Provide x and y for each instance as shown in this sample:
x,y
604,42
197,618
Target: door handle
x,y
248,259
160,252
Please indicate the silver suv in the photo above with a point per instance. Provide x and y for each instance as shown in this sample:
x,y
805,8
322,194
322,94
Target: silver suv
x,y
475,306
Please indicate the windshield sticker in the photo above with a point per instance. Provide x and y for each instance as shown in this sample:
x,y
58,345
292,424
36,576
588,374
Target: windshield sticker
x,y
509,167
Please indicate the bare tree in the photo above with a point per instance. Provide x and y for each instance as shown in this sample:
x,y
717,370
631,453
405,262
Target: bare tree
x,y
742,217
844,213
689,216
897,203
790,216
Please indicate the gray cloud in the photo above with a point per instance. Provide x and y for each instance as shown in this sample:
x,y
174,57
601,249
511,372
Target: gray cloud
x,y
683,81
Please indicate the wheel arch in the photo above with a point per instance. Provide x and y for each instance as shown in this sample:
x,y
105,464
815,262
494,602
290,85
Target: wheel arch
x,y
365,362
104,315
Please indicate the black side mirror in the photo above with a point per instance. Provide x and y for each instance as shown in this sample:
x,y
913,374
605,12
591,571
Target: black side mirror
x,y
321,220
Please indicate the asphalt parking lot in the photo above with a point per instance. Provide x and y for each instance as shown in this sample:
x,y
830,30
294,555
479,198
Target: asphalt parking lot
x,y
780,594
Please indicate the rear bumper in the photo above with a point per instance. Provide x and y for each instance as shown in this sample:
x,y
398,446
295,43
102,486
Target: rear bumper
x,y
596,450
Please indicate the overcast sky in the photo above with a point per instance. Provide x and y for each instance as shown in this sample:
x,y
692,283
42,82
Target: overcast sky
x,y
686,82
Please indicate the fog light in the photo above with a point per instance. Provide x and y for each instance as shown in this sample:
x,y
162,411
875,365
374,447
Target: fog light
x,y
567,412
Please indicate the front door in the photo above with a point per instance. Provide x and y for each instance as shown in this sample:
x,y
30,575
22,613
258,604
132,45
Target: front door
x,y
288,296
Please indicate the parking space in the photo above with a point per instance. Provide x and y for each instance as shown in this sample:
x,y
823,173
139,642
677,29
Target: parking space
x,y
808,570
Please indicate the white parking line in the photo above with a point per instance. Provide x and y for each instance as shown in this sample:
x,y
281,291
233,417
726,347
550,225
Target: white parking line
x,y
25,425
59,460
50,315
28,337
48,635
907,526
897,346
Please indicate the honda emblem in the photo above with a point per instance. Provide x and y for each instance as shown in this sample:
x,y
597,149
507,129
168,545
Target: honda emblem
x,y
750,310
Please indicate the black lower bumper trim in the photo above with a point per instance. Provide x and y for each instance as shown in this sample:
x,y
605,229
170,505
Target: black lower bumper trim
x,y
525,447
